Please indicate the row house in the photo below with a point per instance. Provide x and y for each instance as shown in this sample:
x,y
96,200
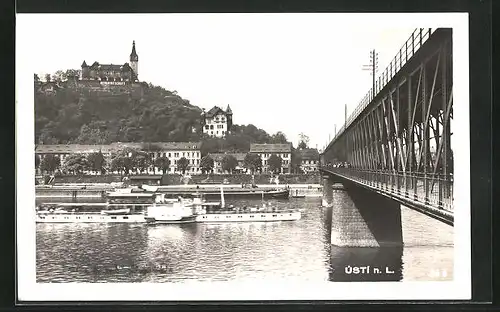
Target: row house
x,y
310,159
266,150
218,157
172,150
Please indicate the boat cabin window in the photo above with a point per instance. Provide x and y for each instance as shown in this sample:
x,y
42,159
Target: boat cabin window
x,y
90,217
228,217
113,217
262,215
275,215
251,216
240,216
125,217
66,218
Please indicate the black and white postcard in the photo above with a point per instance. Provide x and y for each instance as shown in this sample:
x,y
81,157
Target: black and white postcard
x,y
311,156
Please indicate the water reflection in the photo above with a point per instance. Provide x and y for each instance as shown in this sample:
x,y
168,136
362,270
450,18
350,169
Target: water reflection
x,y
298,251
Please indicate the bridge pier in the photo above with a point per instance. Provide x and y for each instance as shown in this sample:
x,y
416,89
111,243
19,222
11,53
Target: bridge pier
x,y
327,192
363,218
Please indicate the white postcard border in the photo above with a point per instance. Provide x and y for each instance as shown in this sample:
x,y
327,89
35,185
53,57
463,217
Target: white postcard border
x,y
459,288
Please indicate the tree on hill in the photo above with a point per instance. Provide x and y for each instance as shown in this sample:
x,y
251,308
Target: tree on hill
x,y
253,162
258,135
50,163
229,163
207,164
163,163
37,161
182,165
279,138
82,115
97,162
274,163
303,141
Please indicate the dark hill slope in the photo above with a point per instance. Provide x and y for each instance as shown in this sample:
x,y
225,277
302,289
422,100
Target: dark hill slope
x,y
66,113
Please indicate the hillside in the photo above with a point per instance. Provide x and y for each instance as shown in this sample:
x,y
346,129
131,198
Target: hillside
x,y
65,114
72,112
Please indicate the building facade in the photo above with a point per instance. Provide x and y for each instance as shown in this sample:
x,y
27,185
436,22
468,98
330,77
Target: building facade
x,y
264,151
310,159
217,122
172,150
111,74
218,157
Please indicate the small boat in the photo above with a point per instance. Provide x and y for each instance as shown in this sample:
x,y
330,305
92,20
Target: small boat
x,y
116,211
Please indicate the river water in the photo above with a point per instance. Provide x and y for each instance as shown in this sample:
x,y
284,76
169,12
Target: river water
x,y
298,250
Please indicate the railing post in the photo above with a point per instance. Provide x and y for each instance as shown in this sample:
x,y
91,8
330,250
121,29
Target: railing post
x,y
440,186
400,59
415,186
412,43
406,51
420,38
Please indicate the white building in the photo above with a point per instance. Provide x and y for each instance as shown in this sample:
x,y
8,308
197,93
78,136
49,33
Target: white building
x,y
217,122
172,150
310,159
218,157
266,150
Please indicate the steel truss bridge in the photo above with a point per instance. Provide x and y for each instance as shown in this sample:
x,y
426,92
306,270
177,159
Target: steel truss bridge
x,y
397,141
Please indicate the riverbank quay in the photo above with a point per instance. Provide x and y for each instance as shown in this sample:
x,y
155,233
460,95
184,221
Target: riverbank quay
x,y
175,179
77,191
74,190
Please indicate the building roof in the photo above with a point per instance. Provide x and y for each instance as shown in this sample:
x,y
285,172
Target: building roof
x,y
113,147
309,154
271,148
168,146
228,110
220,156
84,64
113,67
214,111
145,177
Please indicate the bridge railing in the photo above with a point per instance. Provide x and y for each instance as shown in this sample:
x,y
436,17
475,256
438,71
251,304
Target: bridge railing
x,y
411,46
434,190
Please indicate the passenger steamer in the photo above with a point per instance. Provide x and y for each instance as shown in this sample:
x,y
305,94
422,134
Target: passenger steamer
x,y
265,213
154,208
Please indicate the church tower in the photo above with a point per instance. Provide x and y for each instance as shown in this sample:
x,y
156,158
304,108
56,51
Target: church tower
x,y
134,60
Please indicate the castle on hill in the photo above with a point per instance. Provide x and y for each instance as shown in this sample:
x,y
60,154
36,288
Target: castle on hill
x,y
111,74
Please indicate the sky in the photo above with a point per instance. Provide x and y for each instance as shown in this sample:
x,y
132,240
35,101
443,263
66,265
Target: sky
x,y
281,72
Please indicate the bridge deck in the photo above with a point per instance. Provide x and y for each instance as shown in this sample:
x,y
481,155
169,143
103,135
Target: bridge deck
x,y
432,195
